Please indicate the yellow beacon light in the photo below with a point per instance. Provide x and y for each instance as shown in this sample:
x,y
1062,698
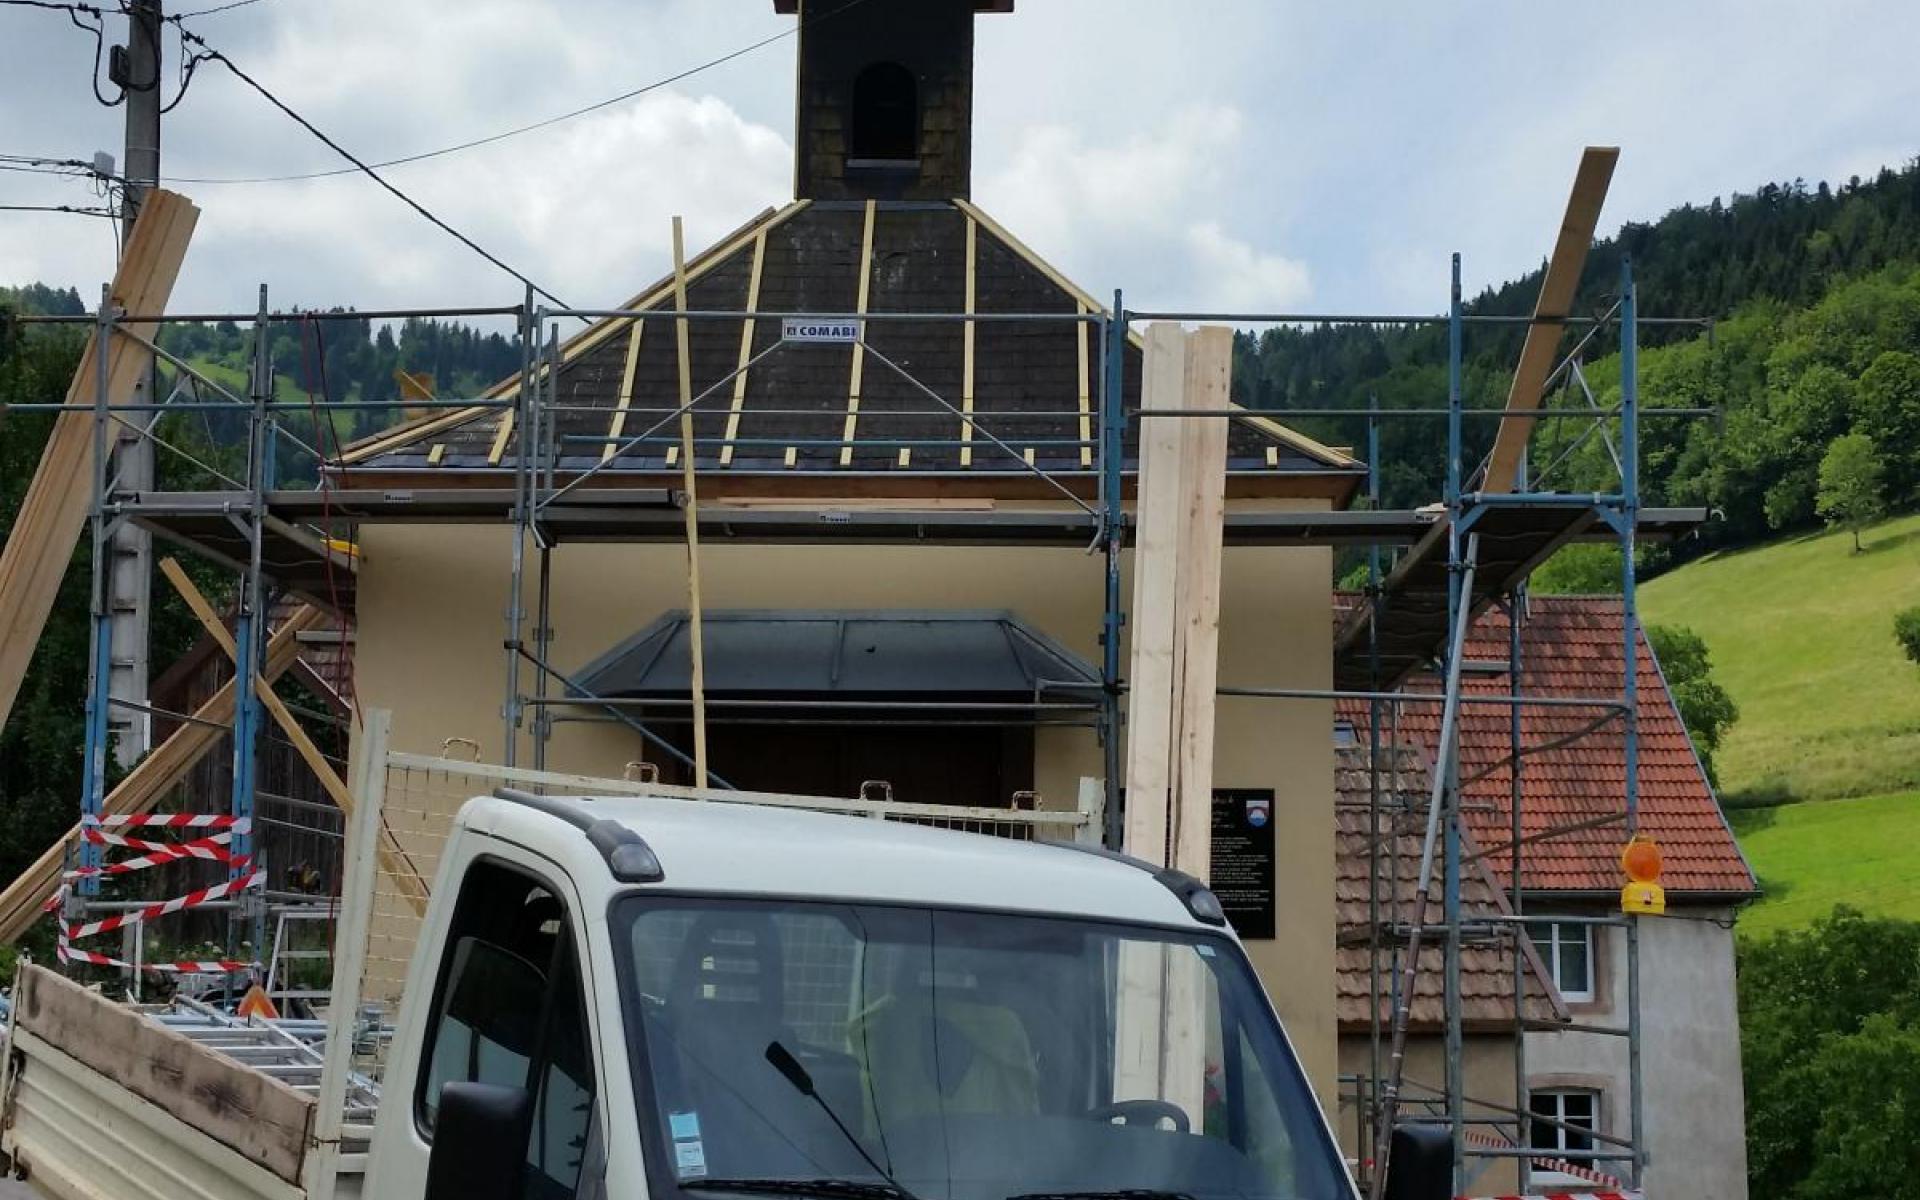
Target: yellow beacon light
x,y
1640,859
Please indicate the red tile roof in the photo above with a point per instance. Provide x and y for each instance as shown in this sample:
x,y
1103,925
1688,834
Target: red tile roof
x,y
1572,646
1486,960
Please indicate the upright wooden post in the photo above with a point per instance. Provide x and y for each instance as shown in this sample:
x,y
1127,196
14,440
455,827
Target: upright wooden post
x,y
1151,623
1161,1046
350,949
692,510
1203,496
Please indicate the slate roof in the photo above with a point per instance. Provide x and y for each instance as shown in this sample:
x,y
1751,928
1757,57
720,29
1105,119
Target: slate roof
x,y
1573,646
1036,386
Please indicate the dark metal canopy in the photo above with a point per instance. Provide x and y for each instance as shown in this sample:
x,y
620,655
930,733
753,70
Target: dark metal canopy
x,y
771,655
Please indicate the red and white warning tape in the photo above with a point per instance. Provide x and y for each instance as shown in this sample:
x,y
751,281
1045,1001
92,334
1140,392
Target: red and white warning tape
x,y
207,849
96,836
169,821
1559,1165
205,895
215,966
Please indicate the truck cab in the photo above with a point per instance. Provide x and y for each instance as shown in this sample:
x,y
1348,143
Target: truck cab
x,y
634,997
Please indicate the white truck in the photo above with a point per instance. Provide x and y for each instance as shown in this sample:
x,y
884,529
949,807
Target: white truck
x,y
635,997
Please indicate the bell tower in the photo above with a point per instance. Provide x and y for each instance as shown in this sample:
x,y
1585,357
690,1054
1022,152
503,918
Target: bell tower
x,y
885,104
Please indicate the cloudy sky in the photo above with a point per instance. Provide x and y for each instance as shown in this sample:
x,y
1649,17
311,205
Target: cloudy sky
x,y
1219,153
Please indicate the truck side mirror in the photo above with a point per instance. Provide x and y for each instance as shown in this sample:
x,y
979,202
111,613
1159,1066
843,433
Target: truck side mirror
x,y
1420,1164
479,1142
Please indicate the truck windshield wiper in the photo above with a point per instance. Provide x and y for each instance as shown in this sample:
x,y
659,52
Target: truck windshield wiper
x,y
1113,1194
834,1189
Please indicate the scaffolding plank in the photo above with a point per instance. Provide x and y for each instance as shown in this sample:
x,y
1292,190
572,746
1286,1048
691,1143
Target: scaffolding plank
x,y
1412,607
1550,311
39,547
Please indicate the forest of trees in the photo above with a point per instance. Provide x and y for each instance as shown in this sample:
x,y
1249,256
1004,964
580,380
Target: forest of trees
x,y
1816,292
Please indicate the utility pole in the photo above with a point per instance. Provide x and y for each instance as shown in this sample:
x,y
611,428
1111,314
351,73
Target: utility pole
x,y
136,68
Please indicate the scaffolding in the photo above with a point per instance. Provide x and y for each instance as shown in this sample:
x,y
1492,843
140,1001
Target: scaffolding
x,y
1478,551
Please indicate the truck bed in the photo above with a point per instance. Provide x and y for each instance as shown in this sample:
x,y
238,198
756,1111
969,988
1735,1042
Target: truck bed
x,y
104,1103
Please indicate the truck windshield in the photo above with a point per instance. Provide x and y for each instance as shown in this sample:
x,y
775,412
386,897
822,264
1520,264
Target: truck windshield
x,y
969,1056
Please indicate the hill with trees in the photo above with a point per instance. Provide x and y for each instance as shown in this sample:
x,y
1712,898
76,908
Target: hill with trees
x,y
1816,295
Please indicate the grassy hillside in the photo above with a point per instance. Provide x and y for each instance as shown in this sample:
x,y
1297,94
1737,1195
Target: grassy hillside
x,y
1813,856
1801,633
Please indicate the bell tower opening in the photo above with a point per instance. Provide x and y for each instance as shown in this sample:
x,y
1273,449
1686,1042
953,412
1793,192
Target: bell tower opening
x,y
885,103
885,124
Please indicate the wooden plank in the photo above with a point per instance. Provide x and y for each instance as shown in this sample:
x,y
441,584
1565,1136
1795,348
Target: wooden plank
x,y
251,1112
1151,622
967,342
1557,290
858,371
1203,463
39,547
350,962
691,507
619,425
1081,330
151,779
747,330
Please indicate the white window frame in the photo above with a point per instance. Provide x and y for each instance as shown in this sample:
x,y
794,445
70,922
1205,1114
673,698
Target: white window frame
x,y
1560,1094
1559,933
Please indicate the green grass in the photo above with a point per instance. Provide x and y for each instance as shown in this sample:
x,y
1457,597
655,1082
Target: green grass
x,y
1815,855
1801,634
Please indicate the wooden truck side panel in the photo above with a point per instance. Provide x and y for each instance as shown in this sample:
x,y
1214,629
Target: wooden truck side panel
x,y
105,1103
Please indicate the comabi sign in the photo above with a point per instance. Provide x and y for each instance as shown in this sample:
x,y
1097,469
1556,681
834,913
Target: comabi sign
x,y
802,329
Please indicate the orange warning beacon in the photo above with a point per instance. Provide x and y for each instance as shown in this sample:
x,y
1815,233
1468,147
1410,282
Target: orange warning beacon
x,y
1640,859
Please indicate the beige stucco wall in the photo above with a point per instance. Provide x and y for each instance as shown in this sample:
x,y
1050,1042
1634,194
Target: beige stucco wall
x,y
431,604
1486,1061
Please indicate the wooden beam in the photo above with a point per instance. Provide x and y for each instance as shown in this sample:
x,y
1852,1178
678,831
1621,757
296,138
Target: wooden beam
x,y
1203,486
1151,623
967,342
691,506
152,778
39,546
858,370
625,401
1080,329
747,329
392,855
1550,311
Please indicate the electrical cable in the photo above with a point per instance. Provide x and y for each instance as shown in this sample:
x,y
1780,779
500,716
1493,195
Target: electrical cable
x,y
544,123
60,208
219,8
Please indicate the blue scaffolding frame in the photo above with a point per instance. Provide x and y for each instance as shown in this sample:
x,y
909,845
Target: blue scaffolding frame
x,y
536,484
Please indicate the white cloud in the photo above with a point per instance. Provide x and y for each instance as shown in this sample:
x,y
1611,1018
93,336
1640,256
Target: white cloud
x,y
1243,279
1231,153
1144,213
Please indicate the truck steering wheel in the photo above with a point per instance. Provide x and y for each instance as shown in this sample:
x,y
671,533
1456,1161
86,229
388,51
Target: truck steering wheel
x,y
1143,1112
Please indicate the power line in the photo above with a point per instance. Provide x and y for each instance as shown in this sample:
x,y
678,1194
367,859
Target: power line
x,y
208,52
60,208
218,8
503,135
